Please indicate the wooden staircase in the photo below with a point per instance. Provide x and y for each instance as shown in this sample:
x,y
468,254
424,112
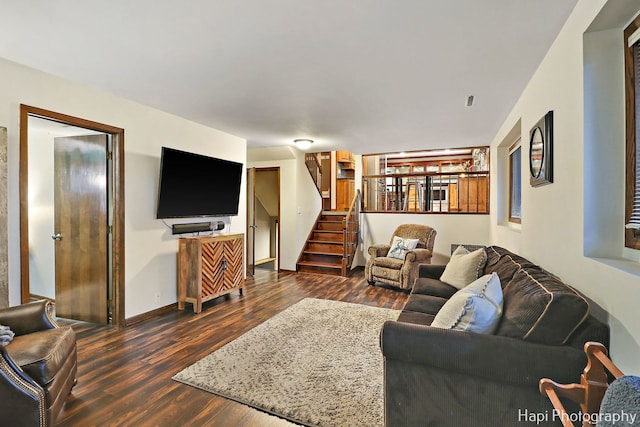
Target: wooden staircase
x,y
332,243
324,249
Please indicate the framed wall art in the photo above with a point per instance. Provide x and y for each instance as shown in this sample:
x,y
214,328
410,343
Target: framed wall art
x,y
541,151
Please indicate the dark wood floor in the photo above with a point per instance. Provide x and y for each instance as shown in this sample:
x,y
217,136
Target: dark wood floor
x,y
124,375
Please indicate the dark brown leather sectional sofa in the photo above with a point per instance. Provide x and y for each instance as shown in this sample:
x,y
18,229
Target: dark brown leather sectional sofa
x,y
444,377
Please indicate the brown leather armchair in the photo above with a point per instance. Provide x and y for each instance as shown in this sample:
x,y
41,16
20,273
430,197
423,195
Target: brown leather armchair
x,y
37,368
400,272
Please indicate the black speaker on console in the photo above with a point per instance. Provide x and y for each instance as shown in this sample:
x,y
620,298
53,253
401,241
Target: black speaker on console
x,y
197,227
192,227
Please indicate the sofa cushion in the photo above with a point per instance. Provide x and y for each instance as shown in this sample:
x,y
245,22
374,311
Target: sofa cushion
x,y
41,354
464,267
424,304
475,308
434,287
417,318
400,247
539,307
505,263
590,330
386,262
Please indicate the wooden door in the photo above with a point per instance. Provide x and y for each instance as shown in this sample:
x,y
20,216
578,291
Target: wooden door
x,y
81,220
345,193
251,221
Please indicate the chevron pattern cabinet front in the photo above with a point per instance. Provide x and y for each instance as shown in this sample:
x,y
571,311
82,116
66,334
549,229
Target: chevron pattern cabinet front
x,y
209,267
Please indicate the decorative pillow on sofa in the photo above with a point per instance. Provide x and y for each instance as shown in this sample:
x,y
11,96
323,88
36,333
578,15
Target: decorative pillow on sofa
x,y
400,247
475,308
505,263
539,307
464,267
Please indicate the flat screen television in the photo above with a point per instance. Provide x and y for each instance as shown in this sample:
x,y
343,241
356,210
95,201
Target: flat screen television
x,y
193,185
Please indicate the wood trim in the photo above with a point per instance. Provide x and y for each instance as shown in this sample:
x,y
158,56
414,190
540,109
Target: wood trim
x,y
277,170
149,315
24,206
408,153
118,259
630,239
515,146
118,201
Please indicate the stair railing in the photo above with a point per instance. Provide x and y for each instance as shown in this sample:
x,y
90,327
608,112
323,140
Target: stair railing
x,y
351,233
312,160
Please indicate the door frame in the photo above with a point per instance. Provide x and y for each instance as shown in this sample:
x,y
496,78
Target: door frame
x,y
251,219
278,188
117,254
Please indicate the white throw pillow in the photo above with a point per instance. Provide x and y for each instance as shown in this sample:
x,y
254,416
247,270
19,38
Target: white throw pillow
x,y
400,247
464,267
475,308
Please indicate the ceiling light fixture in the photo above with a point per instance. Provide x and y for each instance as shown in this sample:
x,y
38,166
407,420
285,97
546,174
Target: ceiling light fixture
x,y
303,143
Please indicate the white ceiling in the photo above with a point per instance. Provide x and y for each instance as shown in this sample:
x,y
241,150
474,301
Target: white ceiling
x,y
364,75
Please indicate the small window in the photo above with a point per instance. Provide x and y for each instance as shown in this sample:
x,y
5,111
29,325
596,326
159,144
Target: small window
x,y
632,113
515,178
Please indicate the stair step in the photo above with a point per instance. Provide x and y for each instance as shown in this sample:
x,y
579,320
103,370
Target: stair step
x,y
324,253
326,242
319,270
324,246
333,233
336,226
321,258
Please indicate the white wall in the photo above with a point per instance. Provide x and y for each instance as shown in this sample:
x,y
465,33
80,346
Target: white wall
x,y
451,228
41,214
150,249
300,202
262,233
554,217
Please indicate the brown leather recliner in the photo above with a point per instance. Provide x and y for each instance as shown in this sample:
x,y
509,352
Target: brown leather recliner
x,y
37,368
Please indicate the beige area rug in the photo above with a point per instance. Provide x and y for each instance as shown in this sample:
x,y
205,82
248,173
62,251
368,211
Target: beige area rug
x,y
318,363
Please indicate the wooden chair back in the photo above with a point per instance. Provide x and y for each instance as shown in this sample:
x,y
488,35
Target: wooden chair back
x,y
593,385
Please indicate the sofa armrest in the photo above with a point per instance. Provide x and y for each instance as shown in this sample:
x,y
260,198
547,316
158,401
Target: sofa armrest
x,y
431,271
22,396
27,318
493,357
379,250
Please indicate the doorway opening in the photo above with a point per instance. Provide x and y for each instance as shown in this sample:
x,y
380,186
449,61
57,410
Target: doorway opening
x,y
72,215
263,219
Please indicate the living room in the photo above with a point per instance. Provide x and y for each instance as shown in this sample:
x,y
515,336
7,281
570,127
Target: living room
x,y
572,227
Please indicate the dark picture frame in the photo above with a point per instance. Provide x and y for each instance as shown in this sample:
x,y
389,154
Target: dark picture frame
x,y
541,151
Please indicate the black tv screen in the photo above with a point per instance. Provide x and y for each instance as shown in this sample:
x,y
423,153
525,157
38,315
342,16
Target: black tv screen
x,y
193,185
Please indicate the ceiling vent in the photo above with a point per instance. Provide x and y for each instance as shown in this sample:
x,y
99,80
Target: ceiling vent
x,y
470,100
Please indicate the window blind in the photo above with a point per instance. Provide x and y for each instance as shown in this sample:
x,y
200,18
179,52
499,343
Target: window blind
x,y
633,38
634,220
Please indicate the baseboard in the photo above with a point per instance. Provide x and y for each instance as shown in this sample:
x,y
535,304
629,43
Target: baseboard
x,y
140,318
